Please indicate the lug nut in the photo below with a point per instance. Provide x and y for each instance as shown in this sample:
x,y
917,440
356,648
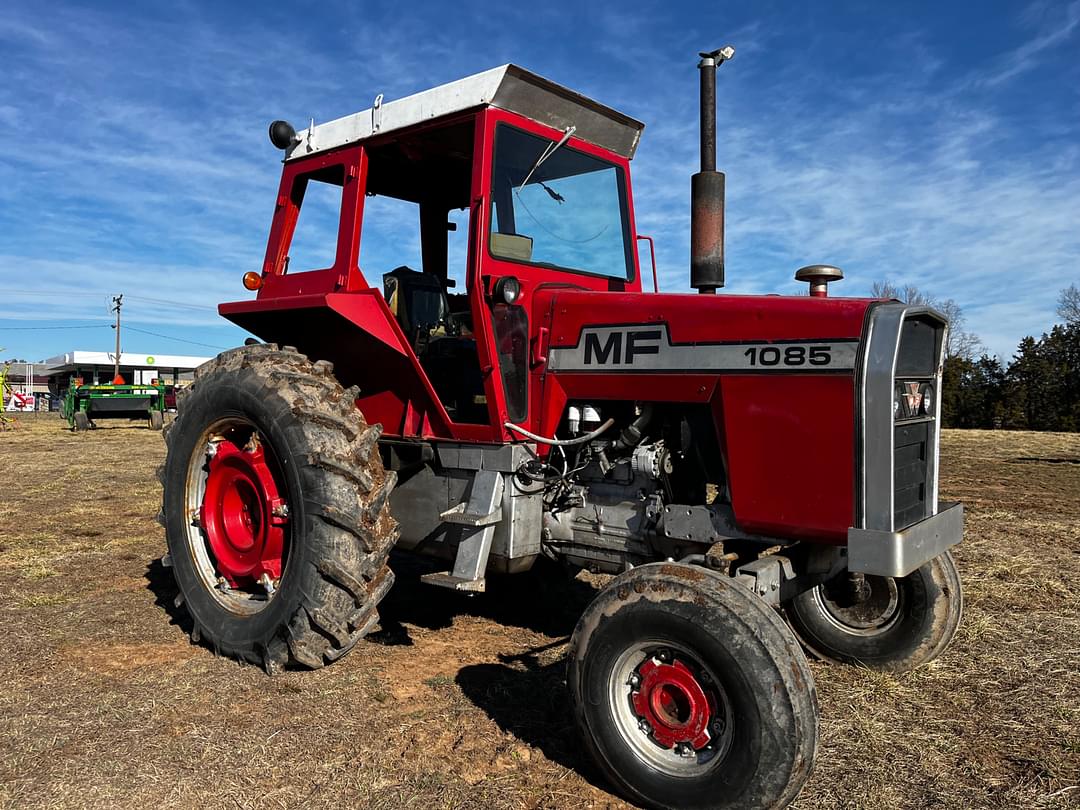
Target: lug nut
x,y
268,584
634,681
643,724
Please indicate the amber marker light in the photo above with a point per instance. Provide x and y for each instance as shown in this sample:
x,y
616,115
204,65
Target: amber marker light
x,y
252,280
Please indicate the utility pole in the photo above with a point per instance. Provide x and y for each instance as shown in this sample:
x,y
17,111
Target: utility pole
x,y
117,302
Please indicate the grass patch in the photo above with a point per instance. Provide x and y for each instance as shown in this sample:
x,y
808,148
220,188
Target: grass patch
x,y
105,703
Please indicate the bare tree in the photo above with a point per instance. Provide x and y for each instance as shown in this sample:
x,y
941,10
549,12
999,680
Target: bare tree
x,y
960,343
1069,304
909,293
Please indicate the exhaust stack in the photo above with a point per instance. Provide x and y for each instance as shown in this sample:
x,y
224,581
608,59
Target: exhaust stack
x,y
707,188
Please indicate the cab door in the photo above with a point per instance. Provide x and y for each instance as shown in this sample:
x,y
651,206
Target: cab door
x,y
552,211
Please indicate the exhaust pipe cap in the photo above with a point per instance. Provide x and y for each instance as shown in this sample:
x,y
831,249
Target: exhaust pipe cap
x,y
718,57
819,277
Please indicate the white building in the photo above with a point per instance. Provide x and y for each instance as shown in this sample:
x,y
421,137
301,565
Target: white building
x,y
135,368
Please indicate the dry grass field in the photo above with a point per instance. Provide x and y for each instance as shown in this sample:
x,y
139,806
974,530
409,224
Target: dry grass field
x,y
458,701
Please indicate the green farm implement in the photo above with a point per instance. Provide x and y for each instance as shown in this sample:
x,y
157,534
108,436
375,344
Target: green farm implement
x,y
85,404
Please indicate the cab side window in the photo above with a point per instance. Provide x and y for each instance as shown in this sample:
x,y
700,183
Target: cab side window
x,y
315,237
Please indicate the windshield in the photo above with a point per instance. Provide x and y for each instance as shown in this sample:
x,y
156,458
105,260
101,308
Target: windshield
x,y
571,213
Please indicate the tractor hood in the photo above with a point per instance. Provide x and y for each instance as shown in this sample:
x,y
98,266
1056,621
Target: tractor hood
x,y
687,333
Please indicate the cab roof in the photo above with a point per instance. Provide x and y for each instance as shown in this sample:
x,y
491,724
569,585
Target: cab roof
x,y
508,87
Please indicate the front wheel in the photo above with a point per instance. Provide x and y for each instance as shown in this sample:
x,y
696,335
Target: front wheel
x,y
883,623
691,693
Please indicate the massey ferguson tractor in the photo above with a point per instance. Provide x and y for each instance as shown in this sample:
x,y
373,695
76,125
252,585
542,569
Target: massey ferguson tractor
x,y
759,473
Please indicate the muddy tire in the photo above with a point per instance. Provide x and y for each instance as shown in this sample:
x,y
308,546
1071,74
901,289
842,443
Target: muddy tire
x,y
157,420
896,624
82,421
284,561
690,692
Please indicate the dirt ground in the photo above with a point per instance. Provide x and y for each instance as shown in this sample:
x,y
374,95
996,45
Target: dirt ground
x,y
459,701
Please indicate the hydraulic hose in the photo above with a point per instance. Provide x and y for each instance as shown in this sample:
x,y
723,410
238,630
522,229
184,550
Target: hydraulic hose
x,y
632,435
588,437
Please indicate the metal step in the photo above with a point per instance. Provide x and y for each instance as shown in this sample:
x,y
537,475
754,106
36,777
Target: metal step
x,y
484,507
448,580
477,518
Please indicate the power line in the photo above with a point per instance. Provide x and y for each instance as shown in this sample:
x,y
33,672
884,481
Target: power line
x,y
72,291
60,291
170,337
172,303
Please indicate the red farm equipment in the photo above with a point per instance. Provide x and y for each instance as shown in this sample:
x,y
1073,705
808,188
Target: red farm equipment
x,y
756,471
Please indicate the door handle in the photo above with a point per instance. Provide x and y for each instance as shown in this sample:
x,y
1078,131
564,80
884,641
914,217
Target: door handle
x,y
540,347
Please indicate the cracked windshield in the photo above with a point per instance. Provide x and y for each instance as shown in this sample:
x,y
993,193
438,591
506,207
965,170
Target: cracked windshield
x,y
558,207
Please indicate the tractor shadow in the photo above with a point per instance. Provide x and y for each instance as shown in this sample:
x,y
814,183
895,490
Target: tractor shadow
x,y
160,582
546,599
527,699
525,694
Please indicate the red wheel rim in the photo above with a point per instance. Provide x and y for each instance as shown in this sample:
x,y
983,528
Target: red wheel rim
x,y
243,514
673,702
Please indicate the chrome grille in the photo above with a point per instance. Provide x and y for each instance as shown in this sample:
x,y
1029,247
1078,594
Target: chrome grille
x,y
899,426
912,452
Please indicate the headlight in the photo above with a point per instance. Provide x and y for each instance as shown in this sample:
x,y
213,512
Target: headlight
x,y
507,289
282,135
928,400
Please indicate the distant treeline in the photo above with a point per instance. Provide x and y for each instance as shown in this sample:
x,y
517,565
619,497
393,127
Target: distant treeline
x,y
1038,390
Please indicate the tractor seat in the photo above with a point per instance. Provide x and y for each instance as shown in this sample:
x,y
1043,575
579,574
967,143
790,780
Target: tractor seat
x,y
442,340
417,300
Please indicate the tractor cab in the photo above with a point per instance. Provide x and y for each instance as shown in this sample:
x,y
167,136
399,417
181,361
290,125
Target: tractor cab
x,y
451,209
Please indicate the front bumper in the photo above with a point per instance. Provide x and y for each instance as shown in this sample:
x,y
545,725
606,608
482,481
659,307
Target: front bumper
x,y
898,553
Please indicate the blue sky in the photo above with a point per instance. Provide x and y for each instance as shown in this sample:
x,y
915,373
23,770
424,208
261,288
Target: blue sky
x,y
928,143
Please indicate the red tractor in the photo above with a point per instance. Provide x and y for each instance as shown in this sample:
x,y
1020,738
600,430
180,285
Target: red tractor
x,y
756,471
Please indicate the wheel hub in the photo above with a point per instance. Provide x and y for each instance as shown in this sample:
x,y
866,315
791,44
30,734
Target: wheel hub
x,y
242,513
670,699
864,607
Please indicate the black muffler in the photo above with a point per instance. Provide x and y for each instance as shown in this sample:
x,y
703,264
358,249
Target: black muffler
x,y
707,188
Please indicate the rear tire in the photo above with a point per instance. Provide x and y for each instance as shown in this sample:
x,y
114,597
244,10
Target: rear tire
x,y
82,421
336,528
732,669
157,420
900,624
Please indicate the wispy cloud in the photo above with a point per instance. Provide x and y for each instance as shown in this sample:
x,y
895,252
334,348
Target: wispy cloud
x,y
914,177
15,30
1056,26
136,157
